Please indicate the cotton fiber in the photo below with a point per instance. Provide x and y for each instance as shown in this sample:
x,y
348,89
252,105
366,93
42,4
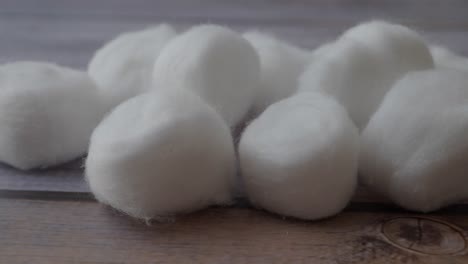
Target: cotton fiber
x,y
444,58
281,65
215,63
299,157
415,147
160,154
122,68
362,65
47,114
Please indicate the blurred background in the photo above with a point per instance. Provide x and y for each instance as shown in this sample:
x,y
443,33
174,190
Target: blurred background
x,y
68,32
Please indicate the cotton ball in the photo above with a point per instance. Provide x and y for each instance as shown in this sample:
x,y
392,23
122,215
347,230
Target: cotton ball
x,y
122,68
404,49
414,149
445,58
352,75
281,65
160,154
299,157
322,49
215,63
47,114
363,64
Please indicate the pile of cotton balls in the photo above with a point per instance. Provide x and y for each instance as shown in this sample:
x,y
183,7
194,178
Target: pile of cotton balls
x,y
157,111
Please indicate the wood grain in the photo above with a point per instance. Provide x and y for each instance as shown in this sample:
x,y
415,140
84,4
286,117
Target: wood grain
x,y
35,231
48,216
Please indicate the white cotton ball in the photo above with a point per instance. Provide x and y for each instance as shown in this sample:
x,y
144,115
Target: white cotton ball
x,y
47,114
281,65
353,76
404,49
215,63
322,49
363,64
122,68
299,157
415,147
161,153
444,58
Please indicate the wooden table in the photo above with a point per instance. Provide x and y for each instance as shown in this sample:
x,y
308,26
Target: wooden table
x,y
50,217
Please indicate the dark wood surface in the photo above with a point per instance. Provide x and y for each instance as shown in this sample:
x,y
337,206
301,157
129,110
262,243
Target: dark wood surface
x,y
48,216
35,231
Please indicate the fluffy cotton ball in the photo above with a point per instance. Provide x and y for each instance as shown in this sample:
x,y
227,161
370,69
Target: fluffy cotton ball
x,y
47,114
322,49
215,63
444,58
160,154
352,75
363,64
122,68
299,157
415,147
281,65
404,49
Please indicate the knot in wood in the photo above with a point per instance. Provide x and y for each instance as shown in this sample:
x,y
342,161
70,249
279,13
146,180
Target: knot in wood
x,y
424,235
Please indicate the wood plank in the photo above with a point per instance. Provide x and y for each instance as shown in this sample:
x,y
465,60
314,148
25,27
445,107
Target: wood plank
x,y
65,178
35,231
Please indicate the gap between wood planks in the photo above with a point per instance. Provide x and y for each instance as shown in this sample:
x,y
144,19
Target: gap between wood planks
x,y
354,206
